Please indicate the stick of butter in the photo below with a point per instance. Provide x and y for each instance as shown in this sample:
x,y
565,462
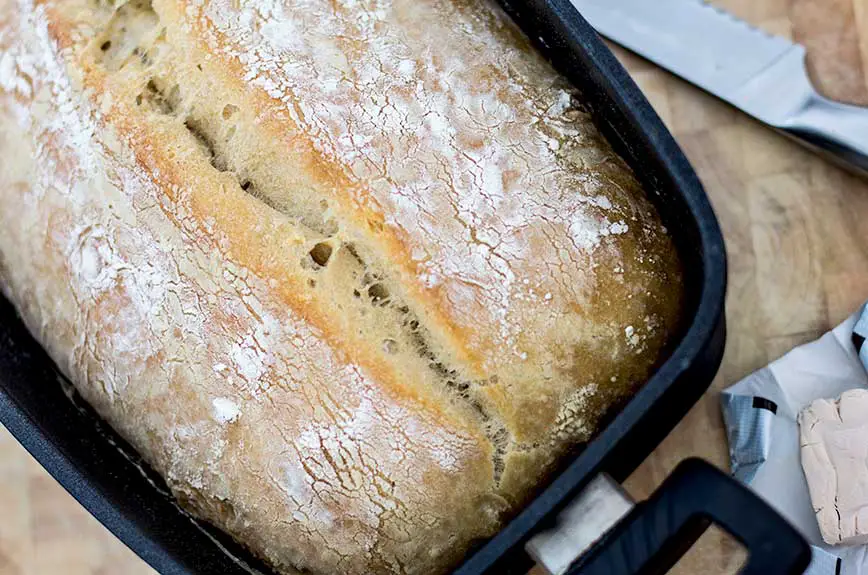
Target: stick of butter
x,y
834,450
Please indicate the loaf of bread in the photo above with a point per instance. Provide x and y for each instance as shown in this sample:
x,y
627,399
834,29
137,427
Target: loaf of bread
x,y
354,276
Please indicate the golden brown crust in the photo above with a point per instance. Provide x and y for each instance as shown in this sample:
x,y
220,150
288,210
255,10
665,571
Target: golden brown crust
x,y
319,265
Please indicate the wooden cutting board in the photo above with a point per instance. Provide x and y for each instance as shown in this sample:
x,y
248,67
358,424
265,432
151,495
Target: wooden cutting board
x,y
797,239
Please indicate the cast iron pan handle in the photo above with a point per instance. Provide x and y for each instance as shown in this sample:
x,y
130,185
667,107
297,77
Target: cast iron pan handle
x,y
657,532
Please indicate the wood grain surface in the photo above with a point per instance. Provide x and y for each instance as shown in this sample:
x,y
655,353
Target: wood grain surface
x,y
796,231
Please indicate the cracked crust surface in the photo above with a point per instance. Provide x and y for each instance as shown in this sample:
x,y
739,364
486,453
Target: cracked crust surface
x,y
321,262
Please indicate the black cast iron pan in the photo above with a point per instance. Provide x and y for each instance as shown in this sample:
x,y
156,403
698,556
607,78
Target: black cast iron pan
x,y
103,473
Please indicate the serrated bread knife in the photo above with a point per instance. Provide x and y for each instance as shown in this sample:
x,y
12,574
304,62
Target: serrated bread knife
x,y
763,75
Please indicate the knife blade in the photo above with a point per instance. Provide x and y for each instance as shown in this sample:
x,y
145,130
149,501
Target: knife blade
x,y
763,75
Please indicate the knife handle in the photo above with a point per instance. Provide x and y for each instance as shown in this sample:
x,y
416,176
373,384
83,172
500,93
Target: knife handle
x,y
837,131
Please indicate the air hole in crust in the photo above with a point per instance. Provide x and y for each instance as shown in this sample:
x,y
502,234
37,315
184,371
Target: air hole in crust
x,y
375,226
329,227
229,110
378,293
144,56
174,97
201,136
390,346
321,253
106,46
157,100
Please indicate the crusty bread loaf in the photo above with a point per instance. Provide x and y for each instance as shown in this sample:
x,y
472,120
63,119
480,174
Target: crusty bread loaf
x,y
352,276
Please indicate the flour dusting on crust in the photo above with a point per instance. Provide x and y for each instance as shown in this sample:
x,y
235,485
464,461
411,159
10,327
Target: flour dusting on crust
x,y
453,153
